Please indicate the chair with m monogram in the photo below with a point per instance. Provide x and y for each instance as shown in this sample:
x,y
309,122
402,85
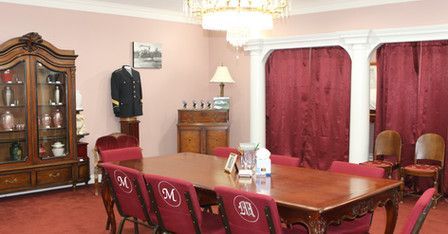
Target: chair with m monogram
x,y
244,212
128,193
114,147
178,209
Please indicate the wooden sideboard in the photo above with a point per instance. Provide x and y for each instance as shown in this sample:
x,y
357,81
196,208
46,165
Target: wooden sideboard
x,y
200,131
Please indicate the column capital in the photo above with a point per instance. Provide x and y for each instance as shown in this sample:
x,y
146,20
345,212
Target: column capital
x,y
254,47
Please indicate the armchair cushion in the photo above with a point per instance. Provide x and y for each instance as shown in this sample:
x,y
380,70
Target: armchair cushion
x,y
421,169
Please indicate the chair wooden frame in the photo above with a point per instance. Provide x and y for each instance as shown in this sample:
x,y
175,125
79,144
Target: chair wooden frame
x,y
429,146
387,143
422,217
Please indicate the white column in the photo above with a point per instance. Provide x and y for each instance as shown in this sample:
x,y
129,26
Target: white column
x,y
257,98
359,104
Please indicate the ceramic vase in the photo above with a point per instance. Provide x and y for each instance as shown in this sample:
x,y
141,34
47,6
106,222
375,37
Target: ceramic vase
x,y
57,95
8,121
7,76
42,150
8,96
46,121
15,151
57,118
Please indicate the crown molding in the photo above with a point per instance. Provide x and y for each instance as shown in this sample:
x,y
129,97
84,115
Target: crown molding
x,y
110,8
370,38
343,5
97,6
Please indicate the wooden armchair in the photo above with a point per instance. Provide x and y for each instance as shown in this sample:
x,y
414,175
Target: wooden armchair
x,y
429,160
387,152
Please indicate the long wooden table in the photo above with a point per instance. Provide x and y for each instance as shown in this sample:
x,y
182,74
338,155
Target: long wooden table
x,y
312,197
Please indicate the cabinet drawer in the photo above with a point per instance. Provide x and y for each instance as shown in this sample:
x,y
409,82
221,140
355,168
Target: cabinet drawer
x,y
17,180
54,176
203,116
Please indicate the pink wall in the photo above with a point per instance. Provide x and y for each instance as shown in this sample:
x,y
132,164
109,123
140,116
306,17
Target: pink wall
x,y
190,56
411,14
104,43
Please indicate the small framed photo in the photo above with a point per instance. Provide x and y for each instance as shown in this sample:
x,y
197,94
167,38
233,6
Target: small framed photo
x,y
147,55
231,163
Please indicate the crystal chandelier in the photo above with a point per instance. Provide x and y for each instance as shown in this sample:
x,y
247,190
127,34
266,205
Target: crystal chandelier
x,y
239,18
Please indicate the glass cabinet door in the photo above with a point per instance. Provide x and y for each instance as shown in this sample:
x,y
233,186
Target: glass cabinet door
x,y
13,111
51,113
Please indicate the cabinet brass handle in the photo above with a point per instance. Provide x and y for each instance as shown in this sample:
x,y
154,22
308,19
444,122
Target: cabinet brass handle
x,y
54,175
11,181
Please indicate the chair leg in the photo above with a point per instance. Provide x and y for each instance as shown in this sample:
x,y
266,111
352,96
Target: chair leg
x,y
135,225
120,228
436,187
402,185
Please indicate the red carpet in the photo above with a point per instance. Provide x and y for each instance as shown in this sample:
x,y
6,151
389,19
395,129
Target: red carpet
x,y
68,211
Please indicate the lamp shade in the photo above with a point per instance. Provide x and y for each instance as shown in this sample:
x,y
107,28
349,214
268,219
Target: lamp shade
x,y
222,75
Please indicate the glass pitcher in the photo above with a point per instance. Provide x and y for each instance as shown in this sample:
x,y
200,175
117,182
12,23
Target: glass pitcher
x,y
248,159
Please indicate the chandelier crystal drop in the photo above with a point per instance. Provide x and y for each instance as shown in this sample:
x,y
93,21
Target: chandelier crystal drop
x,y
237,17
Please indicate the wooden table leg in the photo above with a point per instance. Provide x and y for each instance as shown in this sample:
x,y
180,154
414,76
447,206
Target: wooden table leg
x,y
317,225
392,213
109,206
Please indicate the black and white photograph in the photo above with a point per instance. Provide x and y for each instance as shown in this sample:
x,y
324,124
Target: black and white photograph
x,y
147,55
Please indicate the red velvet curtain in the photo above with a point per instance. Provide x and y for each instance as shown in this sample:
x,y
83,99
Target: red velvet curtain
x,y
412,92
308,104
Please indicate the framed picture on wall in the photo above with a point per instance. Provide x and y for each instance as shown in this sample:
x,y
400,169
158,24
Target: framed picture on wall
x,y
147,55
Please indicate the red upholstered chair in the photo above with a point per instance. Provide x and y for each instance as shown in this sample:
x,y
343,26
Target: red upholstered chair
x,y
132,202
245,212
225,151
285,160
125,140
362,224
120,154
111,141
178,207
387,152
419,212
355,169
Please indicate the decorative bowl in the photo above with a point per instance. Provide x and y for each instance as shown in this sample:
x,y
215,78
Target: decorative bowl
x,y
58,152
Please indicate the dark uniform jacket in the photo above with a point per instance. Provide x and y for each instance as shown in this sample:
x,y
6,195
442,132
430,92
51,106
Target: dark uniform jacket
x,y
126,93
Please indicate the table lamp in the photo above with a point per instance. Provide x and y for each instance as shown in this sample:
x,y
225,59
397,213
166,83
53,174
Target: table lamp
x,y
222,75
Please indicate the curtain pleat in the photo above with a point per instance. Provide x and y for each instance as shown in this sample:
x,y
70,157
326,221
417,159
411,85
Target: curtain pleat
x,y
308,104
412,93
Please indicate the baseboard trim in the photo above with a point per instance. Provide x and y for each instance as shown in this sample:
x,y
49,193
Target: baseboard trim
x,y
91,181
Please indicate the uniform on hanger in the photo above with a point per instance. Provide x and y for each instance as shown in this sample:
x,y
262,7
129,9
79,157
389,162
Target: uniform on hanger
x,y
126,92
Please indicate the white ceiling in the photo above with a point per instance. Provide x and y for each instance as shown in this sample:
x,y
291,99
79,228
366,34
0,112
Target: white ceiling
x,y
297,6
172,10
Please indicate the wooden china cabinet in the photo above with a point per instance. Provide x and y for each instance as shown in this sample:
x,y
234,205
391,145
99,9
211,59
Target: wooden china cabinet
x,y
38,145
